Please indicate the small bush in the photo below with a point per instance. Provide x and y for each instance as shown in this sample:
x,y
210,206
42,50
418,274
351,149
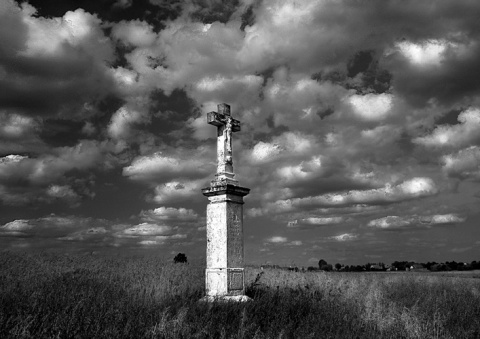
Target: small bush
x,y
180,258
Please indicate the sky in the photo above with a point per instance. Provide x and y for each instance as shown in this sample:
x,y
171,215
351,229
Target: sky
x,y
360,126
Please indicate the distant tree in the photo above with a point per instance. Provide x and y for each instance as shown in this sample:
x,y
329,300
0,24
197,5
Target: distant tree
x,y
180,258
324,266
359,268
321,263
400,265
452,265
327,267
338,266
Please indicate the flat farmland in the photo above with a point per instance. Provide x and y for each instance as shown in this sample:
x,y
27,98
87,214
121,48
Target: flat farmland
x,y
46,295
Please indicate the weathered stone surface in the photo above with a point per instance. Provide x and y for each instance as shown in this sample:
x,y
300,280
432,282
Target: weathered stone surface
x,y
224,242
226,298
224,276
226,125
220,189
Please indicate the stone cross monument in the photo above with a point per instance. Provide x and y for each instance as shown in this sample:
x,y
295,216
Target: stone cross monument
x,y
224,275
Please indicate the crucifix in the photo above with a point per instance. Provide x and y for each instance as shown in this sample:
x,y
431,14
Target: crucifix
x,y
226,125
224,274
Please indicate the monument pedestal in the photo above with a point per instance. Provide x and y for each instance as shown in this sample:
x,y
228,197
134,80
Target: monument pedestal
x,y
224,276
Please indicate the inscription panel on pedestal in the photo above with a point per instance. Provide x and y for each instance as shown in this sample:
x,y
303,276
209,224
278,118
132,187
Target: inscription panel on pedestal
x,y
235,281
235,235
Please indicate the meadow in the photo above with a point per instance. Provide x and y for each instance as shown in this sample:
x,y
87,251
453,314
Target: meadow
x,y
46,295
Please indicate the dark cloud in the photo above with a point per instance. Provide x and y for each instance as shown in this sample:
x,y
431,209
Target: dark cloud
x,y
169,113
61,132
248,16
449,118
112,10
208,11
360,63
456,81
53,68
48,177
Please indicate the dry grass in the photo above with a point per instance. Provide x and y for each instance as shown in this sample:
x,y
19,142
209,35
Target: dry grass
x,y
46,296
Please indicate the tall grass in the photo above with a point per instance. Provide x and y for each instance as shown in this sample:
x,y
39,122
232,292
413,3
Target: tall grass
x,y
85,296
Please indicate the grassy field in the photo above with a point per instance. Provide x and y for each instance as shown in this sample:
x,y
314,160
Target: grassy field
x,y
88,296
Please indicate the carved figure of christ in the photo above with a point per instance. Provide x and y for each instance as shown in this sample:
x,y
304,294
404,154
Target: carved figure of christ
x,y
226,125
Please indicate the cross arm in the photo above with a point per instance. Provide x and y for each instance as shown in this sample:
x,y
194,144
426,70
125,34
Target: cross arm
x,y
214,118
235,125
218,119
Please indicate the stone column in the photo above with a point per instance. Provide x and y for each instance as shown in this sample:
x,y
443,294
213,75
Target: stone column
x,y
224,276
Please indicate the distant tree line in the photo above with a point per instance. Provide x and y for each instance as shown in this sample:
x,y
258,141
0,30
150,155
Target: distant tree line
x,y
395,266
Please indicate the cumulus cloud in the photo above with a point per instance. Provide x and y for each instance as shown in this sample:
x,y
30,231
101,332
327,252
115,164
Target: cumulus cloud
x,y
453,136
323,220
15,228
464,164
297,101
264,151
64,192
235,89
410,189
120,126
136,33
15,126
288,144
344,237
49,167
50,227
160,168
147,229
54,66
86,235
460,249
169,213
277,240
52,36
428,53
17,225
174,191
43,173
54,230
371,107
316,221
406,222
304,171
148,233
19,133
161,239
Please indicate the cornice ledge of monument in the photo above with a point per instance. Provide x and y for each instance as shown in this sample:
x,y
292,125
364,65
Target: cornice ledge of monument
x,y
223,187
225,298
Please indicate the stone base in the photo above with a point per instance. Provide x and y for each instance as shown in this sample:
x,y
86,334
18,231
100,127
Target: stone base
x,y
224,281
225,298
